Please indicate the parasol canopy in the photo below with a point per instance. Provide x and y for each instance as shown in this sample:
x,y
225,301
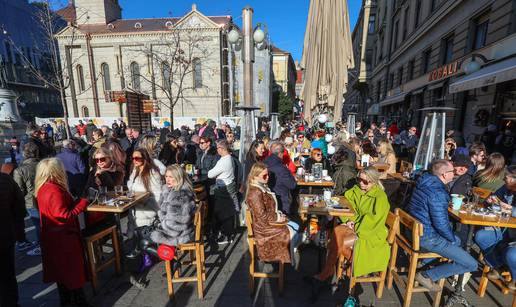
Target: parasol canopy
x,y
327,56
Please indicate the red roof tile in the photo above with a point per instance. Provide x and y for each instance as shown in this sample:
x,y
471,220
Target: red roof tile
x,y
128,25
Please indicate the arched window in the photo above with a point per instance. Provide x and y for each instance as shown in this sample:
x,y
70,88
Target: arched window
x,y
197,73
85,111
106,79
135,76
80,78
166,75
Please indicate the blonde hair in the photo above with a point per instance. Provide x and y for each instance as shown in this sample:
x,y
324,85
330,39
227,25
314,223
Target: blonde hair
x,y
149,143
372,175
385,145
50,169
179,174
257,168
104,151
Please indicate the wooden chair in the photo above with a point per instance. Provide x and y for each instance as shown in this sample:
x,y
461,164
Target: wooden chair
x,y
201,197
480,192
482,286
392,223
253,255
413,251
405,167
197,257
95,263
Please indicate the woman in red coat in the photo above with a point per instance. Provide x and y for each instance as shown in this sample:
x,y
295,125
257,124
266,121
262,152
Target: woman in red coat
x,y
61,242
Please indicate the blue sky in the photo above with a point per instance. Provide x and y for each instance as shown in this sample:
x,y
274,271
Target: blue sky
x,y
285,19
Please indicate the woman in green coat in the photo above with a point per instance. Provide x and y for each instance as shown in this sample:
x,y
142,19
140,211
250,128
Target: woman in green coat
x,y
365,233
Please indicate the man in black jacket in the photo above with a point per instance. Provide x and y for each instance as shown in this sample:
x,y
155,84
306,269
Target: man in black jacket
x,y
281,180
462,181
12,213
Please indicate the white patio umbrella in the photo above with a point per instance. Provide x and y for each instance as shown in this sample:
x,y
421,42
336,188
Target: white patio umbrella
x,y
327,56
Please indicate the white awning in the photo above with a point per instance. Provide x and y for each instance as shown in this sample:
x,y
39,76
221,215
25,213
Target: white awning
x,y
489,75
374,109
393,99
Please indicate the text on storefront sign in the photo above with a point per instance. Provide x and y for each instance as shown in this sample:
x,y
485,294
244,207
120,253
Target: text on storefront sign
x,y
444,71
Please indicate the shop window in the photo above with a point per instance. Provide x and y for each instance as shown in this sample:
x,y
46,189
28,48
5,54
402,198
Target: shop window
x,y
85,111
165,68
417,14
106,78
135,76
371,26
447,50
425,64
197,73
405,24
480,33
411,67
80,78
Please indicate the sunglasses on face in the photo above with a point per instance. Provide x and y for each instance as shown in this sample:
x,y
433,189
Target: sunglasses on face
x,y
202,143
137,159
265,176
370,136
100,160
364,181
318,154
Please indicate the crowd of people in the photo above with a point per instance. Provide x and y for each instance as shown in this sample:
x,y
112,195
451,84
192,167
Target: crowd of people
x,y
53,185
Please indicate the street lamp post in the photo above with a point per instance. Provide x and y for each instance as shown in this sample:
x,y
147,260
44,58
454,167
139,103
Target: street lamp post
x,y
246,42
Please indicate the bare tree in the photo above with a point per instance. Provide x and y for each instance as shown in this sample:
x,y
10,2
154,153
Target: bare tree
x,y
49,70
179,59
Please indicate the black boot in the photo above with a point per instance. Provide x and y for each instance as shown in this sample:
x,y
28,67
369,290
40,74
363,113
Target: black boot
x,y
65,295
79,299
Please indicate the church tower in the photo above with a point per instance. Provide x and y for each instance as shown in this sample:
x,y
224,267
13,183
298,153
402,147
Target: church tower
x,y
96,11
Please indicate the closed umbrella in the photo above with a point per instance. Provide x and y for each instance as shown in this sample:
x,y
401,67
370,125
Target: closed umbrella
x,y
327,56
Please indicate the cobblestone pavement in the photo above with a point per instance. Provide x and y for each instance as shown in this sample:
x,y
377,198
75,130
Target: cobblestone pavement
x,y
226,285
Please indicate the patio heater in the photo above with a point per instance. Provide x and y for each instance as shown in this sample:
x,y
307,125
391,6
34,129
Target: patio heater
x,y
351,123
431,141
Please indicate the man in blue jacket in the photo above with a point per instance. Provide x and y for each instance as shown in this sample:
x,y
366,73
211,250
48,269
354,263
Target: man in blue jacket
x,y
281,180
429,205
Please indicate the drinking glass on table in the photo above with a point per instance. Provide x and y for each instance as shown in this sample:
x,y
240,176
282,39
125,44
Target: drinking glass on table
x,y
119,190
130,194
103,195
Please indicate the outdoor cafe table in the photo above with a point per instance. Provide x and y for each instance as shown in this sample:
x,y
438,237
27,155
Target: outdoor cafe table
x,y
321,209
118,210
471,220
311,184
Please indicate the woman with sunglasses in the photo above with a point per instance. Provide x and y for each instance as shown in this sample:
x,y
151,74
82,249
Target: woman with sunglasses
x,y
363,237
317,157
276,237
144,177
106,173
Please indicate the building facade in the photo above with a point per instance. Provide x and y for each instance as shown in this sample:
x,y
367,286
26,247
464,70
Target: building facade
x,y
356,99
454,54
182,62
284,70
22,45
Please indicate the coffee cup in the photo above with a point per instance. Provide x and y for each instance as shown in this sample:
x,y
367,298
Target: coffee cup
x,y
324,173
457,201
327,195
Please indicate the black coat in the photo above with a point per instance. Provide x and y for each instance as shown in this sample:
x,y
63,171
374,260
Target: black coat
x,y
281,182
206,163
170,155
326,165
12,212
